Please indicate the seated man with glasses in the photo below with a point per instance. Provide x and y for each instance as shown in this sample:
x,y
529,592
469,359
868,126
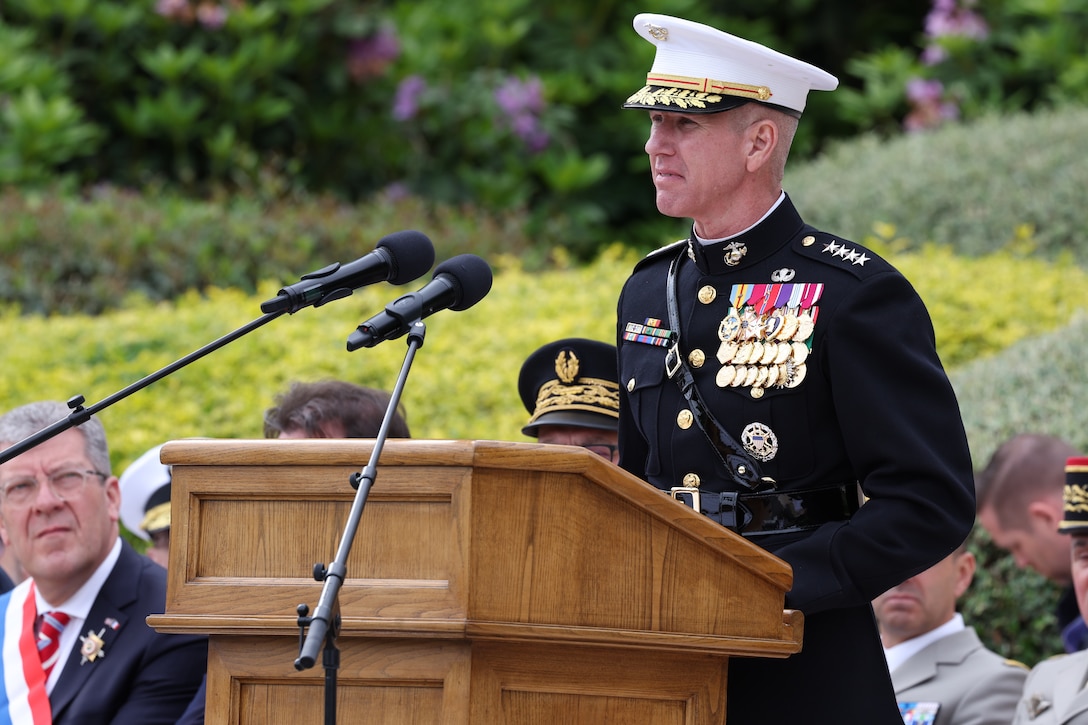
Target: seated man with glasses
x,y
569,387
76,646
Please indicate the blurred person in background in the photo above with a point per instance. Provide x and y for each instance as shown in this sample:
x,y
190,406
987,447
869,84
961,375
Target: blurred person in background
x,y
331,409
940,670
1019,501
1055,692
145,504
569,389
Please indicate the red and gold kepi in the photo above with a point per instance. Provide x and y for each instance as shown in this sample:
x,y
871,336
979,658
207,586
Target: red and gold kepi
x,y
1075,516
700,69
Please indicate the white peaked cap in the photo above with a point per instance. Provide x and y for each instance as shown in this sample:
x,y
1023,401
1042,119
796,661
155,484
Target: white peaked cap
x,y
138,483
700,69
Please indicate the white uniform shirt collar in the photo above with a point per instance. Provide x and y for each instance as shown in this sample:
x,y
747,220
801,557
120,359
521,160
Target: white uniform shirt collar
x,y
781,198
903,651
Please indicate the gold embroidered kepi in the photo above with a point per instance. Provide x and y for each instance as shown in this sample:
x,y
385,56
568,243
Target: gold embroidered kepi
x,y
700,69
571,382
145,495
1075,517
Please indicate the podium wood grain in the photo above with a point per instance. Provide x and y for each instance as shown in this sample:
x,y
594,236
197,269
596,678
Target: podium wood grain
x,y
488,582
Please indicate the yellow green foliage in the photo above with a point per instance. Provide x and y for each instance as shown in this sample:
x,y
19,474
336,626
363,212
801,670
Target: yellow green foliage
x,y
983,304
463,383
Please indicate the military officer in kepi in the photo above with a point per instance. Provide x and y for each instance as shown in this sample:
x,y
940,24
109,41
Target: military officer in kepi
x,y
769,371
1055,691
569,388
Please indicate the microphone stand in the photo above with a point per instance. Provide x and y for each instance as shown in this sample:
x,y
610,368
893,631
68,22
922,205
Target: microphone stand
x,y
80,415
324,625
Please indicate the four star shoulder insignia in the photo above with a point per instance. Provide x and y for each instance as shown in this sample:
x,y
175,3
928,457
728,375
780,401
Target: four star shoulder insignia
x,y
853,256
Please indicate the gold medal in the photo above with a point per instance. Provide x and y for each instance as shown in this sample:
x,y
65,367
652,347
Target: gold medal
x,y
800,353
770,352
743,354
729,327
725,376
805,325
784,350
750,377
761,377
772,375
789,327
738,379
726,352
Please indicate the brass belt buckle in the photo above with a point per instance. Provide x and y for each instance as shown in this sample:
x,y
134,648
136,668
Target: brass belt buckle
x,y
689,496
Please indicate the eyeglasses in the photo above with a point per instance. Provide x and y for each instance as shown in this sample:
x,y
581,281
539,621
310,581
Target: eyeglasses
x,y
604,450
64,484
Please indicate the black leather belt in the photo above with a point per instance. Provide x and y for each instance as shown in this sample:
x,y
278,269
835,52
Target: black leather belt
x,y
752,514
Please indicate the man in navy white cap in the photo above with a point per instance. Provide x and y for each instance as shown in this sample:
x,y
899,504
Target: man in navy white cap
x,y
569,388
145,503
1055,690
768,370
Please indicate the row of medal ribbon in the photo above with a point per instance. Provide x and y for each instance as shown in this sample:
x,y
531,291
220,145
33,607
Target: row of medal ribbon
x,y
765,337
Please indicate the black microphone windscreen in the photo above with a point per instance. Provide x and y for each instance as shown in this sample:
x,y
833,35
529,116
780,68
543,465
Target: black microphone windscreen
x,y
412,252
474,276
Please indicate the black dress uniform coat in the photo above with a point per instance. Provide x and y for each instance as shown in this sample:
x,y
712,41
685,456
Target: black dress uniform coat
x,y
866,402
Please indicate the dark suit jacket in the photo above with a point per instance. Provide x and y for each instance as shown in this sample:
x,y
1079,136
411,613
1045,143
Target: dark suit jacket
x,y
143,677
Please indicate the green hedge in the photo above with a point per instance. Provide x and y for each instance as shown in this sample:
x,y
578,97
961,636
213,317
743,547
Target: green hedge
x,y
67,254
976,187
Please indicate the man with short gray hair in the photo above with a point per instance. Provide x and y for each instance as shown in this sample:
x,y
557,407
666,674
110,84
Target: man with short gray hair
x,y
76,647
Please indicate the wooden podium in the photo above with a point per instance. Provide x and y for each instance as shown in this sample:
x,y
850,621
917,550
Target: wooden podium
x,y
488,583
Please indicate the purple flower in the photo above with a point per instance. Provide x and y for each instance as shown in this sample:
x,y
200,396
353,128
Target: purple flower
x,y
515,96
523,102
174,9
928,107
211,16
406,102
949,18
369,57
920,90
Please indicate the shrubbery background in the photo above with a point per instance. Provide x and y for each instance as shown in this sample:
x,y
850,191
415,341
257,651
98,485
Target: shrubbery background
x,y
166,165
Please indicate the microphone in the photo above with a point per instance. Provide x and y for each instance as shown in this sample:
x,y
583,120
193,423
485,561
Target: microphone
x,y
400,258
458,284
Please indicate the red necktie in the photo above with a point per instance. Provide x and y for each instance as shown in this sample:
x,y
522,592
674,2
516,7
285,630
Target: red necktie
x,y
49,637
